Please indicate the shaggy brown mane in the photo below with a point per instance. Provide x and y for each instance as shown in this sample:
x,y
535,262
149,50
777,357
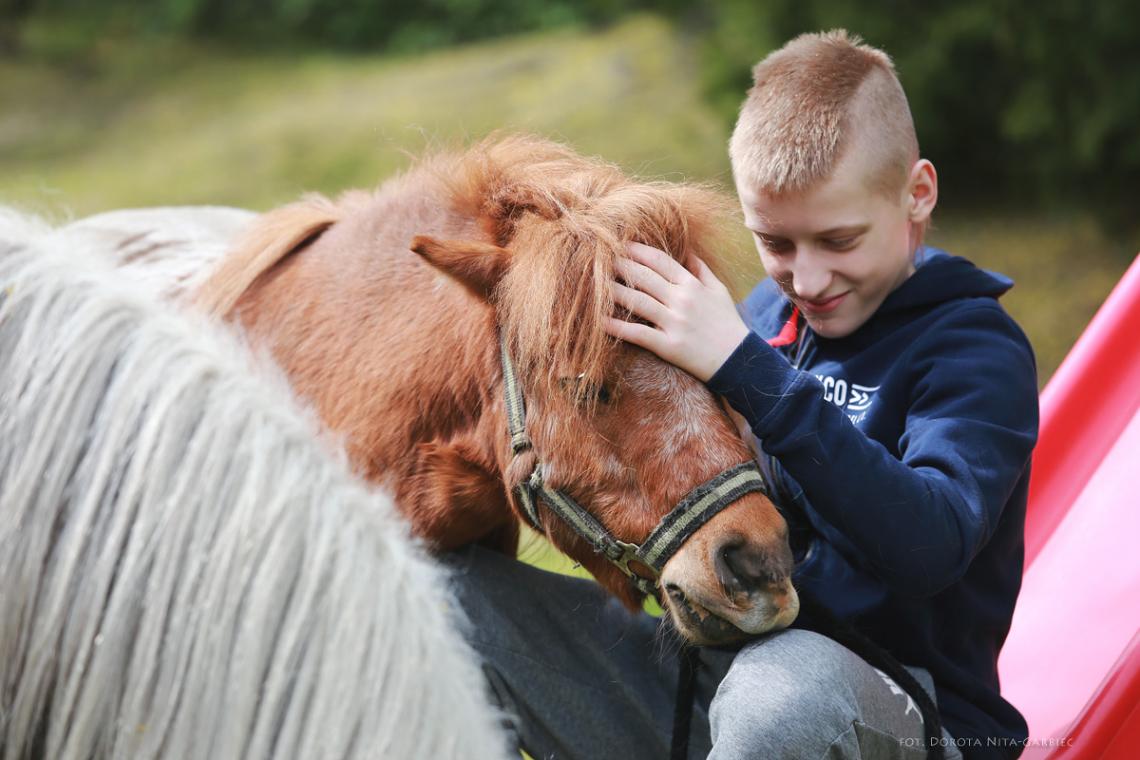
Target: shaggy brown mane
x,y
566,218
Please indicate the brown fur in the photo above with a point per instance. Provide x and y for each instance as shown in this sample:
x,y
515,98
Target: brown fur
x,y
277,234
398,350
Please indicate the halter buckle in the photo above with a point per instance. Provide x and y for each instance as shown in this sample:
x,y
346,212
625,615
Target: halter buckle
x,y
621,554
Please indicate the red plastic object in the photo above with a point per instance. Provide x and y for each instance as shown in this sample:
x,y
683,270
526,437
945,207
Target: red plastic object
x,y
1071,663
1109,727
1089,400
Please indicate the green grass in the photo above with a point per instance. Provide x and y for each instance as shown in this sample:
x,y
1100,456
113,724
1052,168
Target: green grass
x,y
88,126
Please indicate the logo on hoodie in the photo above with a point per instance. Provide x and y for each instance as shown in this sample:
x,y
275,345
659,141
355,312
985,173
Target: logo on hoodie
x,y
852,398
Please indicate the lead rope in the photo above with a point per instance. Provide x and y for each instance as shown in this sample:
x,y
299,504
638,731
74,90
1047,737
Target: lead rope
x,y
683,707
815,617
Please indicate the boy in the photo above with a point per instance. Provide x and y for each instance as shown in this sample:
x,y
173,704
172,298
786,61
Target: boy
x,y
894,400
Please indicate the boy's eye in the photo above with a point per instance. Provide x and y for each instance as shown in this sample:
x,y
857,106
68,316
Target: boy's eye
x,y
841,244
775,245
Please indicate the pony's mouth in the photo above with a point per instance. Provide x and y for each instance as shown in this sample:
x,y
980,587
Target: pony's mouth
x,y
699,624
704,627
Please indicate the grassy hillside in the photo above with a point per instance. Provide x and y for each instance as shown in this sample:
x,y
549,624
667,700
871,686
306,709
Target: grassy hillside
x,y
130,123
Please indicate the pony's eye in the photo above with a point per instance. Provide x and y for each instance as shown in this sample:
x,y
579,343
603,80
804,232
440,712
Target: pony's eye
x,y
601,393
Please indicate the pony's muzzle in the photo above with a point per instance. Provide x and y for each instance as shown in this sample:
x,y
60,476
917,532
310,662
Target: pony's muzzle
x,y
732,579
756,580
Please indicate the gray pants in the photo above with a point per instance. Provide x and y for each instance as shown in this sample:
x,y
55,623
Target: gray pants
x,y
579,676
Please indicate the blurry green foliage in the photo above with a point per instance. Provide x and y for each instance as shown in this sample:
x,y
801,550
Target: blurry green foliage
x,y
346,24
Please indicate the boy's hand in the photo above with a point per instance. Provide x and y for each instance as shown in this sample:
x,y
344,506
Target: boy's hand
x,y
693,321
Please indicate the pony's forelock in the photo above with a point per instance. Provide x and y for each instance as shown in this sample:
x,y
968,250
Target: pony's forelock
x,y
566,218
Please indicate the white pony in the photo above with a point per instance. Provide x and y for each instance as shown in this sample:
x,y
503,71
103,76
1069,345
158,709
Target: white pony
x,y
187,570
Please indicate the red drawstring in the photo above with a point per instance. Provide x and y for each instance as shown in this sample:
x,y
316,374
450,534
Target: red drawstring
x,y
788,332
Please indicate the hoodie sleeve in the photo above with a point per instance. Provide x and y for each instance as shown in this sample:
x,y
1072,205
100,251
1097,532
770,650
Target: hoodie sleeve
x,y
970,426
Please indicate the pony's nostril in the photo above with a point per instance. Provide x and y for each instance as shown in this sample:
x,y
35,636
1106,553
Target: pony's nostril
x,y
674,591
742,567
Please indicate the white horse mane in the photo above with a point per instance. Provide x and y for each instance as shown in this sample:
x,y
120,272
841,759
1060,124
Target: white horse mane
x,y
187,570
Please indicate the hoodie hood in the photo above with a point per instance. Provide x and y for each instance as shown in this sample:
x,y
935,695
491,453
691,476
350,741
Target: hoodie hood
x,y
942,277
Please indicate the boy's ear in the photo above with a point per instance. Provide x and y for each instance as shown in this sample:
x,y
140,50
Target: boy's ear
x,y
923,191
477,265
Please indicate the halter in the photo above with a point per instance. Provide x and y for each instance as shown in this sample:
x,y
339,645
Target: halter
x,y
693,511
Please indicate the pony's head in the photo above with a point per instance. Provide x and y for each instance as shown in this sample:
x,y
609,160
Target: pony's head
x,y
622,432
401,353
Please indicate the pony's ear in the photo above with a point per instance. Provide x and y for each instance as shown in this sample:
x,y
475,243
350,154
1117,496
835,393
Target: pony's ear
x,y
477,265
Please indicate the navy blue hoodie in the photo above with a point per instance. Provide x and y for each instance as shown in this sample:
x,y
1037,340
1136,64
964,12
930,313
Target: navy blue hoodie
x,y
900,455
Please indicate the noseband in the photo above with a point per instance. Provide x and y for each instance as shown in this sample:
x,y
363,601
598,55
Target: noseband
x,y
693,511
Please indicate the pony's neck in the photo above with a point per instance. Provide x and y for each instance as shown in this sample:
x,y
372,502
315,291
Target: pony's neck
x,y
399,358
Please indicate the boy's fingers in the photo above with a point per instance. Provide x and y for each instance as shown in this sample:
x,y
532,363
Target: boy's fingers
x,y
701,270
697,266
657,260
641,277
639,304
632,332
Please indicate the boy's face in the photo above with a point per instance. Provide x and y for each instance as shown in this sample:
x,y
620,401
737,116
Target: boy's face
x,y
838,248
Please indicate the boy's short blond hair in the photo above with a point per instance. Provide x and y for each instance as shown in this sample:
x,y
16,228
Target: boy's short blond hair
x,y
814,99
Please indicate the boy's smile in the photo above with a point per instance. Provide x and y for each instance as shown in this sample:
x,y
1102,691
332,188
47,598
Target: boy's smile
x,y
838,249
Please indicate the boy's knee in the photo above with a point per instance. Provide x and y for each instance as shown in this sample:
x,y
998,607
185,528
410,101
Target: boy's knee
x,y
784,696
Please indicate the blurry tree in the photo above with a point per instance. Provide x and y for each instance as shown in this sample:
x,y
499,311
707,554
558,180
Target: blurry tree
x,y
337,23
12,13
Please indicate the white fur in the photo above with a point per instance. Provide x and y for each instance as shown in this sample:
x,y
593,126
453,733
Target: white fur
x,y
170,250
187,570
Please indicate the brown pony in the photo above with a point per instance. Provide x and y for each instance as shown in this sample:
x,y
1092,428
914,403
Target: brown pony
x,y
394,337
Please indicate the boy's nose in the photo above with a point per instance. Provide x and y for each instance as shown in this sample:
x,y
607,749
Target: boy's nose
x,y
811,276
811,284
